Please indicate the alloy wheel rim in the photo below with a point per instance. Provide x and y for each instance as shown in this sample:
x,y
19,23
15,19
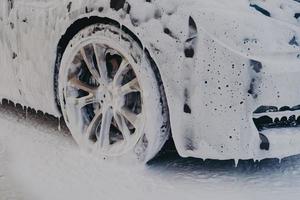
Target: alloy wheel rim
x,y
103,91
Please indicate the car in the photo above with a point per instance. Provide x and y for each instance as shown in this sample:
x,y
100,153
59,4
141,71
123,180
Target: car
x,y
221,79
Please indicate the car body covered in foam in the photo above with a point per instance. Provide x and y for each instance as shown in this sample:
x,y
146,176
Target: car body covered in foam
x,y
231,71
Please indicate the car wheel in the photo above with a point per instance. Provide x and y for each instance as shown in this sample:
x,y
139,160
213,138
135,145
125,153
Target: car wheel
x,y
111,95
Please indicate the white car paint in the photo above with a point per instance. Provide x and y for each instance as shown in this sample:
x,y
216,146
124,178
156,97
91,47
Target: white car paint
x,y
242,60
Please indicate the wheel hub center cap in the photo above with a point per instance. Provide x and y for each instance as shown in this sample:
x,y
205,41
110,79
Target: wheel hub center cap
x,y
109,96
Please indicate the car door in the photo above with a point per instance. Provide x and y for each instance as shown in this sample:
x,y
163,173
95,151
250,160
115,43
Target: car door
x,y
9,82
36,41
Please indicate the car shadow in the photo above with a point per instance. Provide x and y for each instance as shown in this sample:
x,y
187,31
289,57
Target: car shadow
x,y
169,160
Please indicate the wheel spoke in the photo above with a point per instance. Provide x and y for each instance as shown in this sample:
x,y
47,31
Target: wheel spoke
x,y
88,59
101,62
76,83
96,121
103,137
122,69
130,87
133,118
82,101
122,126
